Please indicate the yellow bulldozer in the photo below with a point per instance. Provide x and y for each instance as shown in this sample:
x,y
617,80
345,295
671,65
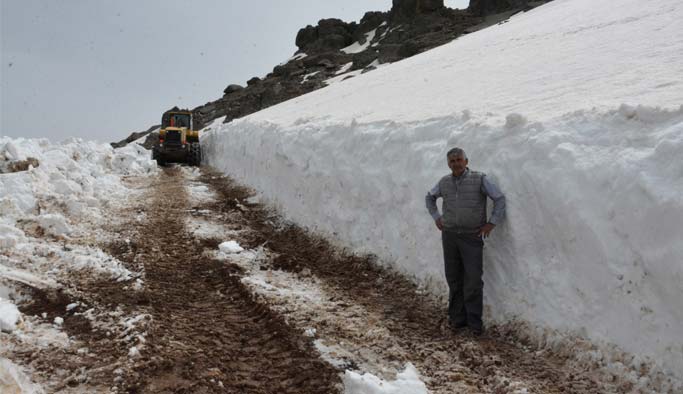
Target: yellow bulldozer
x,y
178,141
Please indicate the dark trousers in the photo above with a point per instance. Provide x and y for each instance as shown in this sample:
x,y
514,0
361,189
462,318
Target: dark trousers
x,y
463,261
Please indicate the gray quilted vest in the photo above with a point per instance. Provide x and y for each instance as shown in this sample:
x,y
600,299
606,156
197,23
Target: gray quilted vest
x,y
464,205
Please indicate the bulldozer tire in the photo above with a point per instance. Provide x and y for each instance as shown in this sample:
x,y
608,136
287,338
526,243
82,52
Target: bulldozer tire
x,y
195,154
156,155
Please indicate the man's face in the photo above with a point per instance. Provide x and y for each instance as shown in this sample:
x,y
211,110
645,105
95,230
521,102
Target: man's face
x,y
457,164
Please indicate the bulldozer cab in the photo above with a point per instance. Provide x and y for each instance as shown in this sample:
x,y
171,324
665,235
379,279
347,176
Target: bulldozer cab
x,y
177,119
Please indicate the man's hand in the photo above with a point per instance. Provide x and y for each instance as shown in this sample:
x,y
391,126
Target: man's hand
x,y
439,224
486,229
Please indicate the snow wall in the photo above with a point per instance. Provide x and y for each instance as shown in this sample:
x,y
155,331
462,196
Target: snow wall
x,y
591,245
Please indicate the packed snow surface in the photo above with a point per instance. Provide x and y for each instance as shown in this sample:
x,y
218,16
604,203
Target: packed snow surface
x,y
573,108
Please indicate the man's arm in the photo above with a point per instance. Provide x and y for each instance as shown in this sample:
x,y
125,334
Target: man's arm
x,y
493,192
430,202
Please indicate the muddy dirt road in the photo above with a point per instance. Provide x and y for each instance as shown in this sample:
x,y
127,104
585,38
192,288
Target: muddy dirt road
x,y
288,314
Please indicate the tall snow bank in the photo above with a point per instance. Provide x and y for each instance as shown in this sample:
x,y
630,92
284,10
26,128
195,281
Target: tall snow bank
x,y
77,173
591,242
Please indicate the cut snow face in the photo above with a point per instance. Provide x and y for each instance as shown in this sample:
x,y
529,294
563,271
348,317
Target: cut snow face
x,y
589,246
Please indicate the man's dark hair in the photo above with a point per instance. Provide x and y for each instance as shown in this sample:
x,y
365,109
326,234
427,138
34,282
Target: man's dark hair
x,y
457,152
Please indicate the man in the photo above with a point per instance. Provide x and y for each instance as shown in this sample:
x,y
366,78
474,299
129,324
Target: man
x,y
463,226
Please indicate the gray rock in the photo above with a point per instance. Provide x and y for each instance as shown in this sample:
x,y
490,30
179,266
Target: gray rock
x,y
408,49
389,53
327,27
328,35
207,109
306,36
327,64
232,88
363,59
371,20
333,42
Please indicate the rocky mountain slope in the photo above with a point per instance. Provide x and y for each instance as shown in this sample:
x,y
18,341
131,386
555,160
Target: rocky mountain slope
x,y
334,50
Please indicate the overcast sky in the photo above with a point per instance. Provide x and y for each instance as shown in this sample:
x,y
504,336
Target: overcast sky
x,y
101,69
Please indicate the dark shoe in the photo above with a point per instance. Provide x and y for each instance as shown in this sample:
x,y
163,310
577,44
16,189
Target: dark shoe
x,y
456,326
477,332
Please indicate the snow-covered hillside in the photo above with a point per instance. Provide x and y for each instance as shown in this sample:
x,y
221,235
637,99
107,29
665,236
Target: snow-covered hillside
x,y
574,108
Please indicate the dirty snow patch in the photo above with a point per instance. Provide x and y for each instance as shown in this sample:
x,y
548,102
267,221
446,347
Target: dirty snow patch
x,y
205,229
200,193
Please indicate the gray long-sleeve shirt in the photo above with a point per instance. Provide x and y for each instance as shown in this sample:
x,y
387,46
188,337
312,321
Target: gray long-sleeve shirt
x,y
488,188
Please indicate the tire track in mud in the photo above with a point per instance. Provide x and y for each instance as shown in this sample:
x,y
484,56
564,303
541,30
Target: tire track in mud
x,y
206,333
496,363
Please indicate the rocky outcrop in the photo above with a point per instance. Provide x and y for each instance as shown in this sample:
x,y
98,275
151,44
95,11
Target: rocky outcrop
x,y
333,47
410,27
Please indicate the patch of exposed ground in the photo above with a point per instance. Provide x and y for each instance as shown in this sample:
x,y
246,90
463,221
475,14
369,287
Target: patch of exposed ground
x,y
206,332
